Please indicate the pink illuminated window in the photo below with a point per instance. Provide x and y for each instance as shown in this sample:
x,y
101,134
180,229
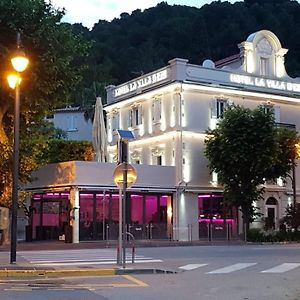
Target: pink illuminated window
x,y
137,209
86,210
151,209
102,207
51,213
115,208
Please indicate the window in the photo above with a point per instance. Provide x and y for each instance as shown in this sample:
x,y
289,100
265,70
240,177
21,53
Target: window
x,y
159,160
218,107
135,157
214,178
135,116
263,66
221,105
156,111
157,156
268,109
273,109
115,121
72,123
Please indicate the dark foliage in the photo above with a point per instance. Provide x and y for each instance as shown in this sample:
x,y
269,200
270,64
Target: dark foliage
x,y
144,41
61,150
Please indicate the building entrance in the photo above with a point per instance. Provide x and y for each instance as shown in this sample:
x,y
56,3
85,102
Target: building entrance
x,y
271,213
216,221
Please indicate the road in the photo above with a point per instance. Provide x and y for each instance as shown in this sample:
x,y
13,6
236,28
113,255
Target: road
x,y
254,272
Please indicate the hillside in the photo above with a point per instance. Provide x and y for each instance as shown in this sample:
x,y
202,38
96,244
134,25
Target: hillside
x,y
144,41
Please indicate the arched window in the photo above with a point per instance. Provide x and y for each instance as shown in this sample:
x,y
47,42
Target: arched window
x,y
271,201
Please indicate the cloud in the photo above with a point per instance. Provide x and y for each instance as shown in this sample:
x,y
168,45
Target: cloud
x,y
89,12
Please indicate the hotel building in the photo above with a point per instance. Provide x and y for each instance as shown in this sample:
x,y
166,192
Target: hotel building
x,y
169,111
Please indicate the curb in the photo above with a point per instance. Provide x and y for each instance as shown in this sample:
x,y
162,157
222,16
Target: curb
x,y
8,273
144,271
56,273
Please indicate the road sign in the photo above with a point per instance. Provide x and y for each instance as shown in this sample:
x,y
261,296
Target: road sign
x,y
119,175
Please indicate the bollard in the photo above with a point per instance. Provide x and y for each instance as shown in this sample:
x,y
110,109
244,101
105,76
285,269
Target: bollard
x,y
133,253
118,256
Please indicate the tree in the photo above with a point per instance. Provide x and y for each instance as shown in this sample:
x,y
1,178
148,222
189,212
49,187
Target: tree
x,y
246,150
292,217
57,58
61,150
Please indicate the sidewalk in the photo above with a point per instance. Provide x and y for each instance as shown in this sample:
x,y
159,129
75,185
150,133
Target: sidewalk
x,y
23,268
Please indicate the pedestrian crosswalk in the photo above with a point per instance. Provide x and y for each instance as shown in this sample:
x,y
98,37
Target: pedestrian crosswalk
x,y
192,267
96,257
232,268
80,257
281,268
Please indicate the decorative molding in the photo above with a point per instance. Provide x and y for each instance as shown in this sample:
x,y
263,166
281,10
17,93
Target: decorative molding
x,y
157,151
135,155
264,48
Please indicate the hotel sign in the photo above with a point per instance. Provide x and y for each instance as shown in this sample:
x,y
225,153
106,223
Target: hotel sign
x,y
265,83
141,83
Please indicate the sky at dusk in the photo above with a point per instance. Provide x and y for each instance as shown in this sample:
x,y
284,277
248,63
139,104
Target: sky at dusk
x,y
89,12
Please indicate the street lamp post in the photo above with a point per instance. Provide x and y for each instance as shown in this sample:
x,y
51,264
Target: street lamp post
x,y
124,177
19,63
293,176
294,187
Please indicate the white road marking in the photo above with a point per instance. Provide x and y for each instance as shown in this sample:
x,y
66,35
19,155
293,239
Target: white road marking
x,y
282,268
192,266
112,262
80,257
232,268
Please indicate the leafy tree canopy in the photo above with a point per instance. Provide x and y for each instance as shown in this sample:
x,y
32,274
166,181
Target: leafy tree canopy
x,y
57,58
247,149
61,150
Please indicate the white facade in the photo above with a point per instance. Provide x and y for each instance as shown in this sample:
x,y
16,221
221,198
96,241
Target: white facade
x,y
170,109
72,121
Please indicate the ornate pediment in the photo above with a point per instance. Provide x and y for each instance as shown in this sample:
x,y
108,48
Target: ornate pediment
x,y
135,155
157,151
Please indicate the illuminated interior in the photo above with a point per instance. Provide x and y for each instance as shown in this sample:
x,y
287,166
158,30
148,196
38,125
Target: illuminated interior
x,y
214,217
148,215
49,215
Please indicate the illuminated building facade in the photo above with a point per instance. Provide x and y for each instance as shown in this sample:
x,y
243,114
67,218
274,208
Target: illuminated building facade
x,y
170,109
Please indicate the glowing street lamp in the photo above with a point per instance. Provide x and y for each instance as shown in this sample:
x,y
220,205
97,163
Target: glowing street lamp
x,y
14,80
19,63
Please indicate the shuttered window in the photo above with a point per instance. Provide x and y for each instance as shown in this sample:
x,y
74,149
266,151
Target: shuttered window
x,y
156,111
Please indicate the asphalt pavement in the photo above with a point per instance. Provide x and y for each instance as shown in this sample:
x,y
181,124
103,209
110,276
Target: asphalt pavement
x,y
208,271
26,268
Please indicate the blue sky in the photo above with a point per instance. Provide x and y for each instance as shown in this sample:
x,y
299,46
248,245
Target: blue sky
x,y
89,12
